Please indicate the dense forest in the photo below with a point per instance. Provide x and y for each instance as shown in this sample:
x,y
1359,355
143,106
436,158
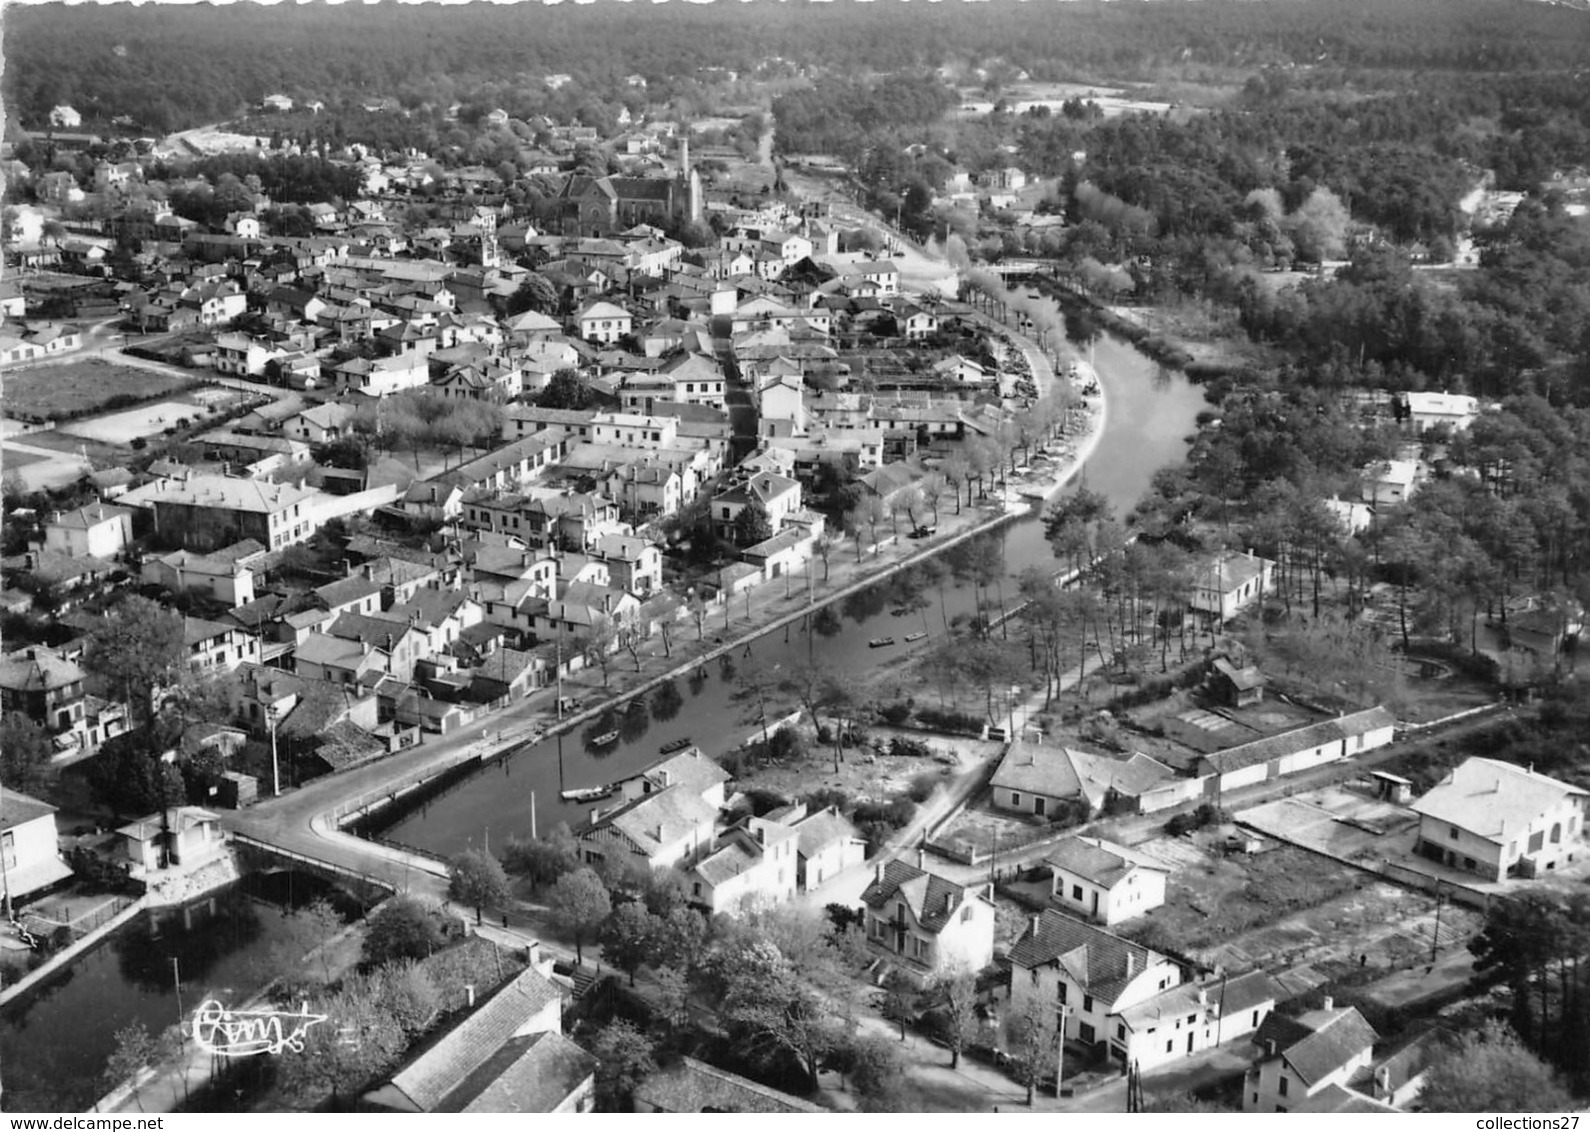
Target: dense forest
x,y
171,66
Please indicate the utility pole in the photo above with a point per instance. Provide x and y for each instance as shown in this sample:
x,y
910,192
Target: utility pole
x,y
1060,1051
276,767
176,981
1435,936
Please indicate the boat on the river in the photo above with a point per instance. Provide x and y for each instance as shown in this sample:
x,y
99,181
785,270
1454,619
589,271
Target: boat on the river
x,y
587,793
880,642
605,738
917,636
673,745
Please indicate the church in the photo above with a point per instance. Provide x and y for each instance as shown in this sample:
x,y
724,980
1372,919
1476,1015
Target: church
x,y
601,206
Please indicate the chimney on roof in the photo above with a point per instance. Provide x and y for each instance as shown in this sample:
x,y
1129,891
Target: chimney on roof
x,y
1131,964
1269,1048
877,872
921,857
1033,926
1328,1005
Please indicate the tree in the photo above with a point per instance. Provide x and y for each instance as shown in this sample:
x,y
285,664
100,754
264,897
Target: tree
x,y
402,928
133,1052
901,1000
1490,1070
536,293
772,1011
672,997
753,524
579,903
476,879
1033,1042
565,390
626,937
137,647
25,752
625,1057
544,859
877,1072
872,511
953,995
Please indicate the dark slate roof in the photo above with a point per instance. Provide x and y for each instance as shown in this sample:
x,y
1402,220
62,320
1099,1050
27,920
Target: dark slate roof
x,y
694,1086
15,809
1334,1098
1248,991
1337,1040
1092,861
534,1073
931,898
1096,957
1301,739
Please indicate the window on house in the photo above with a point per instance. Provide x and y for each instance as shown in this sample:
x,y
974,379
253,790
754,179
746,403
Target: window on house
x,y
1283,1086
1168,1045
1120,1031
1087,1004
966,914
1085,1033
1452,832
1015,797
1076,892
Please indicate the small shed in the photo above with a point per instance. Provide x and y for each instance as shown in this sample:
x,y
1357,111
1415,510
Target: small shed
x,y
1237,687
236,790
1392,787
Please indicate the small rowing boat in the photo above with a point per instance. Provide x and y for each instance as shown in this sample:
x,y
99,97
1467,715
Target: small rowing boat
x,y
674,745
586,793
880,642
914,637
605,738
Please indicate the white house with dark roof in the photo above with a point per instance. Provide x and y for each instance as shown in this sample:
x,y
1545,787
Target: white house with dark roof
x,y
1499,819
1035,778
1085,973
673,825
31,845
1304,1056
779,494
1105,882
925,925
1428,410
602,322
1189,1018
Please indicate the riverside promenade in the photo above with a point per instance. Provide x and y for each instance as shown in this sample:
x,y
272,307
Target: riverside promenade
x,y
305,821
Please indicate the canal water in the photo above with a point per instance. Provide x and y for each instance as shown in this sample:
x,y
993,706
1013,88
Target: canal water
x,y
56,1039
1152,413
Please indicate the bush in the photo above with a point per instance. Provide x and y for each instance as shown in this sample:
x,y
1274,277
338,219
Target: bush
x,y
825,796
953,722
1205,815
922,786
901,747
896,713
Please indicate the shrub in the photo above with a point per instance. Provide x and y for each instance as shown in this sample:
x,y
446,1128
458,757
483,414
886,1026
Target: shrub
x,y
922,786
825,796
896,713
1205,815
901,747
954,722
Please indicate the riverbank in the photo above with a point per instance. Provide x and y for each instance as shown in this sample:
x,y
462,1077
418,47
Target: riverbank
x,y
307,820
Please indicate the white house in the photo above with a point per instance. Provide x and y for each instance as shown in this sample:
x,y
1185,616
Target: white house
x,y
1455,410
1390,481
95,531
778,494
1498,819
670,826
1034,778
603,322
1306,1055
1086,975
926,925
29,846
1230,582
1104,881
1186,1019
754,865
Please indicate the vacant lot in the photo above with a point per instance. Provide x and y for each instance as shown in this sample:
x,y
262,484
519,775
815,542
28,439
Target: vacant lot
x,y
80,387
145,420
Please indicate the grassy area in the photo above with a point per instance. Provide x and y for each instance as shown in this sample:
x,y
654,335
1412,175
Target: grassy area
x,y
76,388
1204,906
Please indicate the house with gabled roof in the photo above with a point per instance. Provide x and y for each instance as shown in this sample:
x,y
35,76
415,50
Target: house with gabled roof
x,y
1300,748
32,846
926,925
1189,1018
602,322
1499,819
780,495
673,825
1229,582
1304,1056
754,865
1103,881
531,1004
1085,972
690,1085
829,843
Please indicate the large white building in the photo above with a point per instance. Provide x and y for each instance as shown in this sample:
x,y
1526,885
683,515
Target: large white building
x,y
1496,818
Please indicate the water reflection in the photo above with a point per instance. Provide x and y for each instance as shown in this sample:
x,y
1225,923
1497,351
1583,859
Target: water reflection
x,y
666,701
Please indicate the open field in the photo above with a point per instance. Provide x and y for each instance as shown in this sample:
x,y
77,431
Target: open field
x,y
82,386
145,420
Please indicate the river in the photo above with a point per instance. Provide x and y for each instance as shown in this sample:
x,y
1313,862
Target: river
x,y
1152,413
